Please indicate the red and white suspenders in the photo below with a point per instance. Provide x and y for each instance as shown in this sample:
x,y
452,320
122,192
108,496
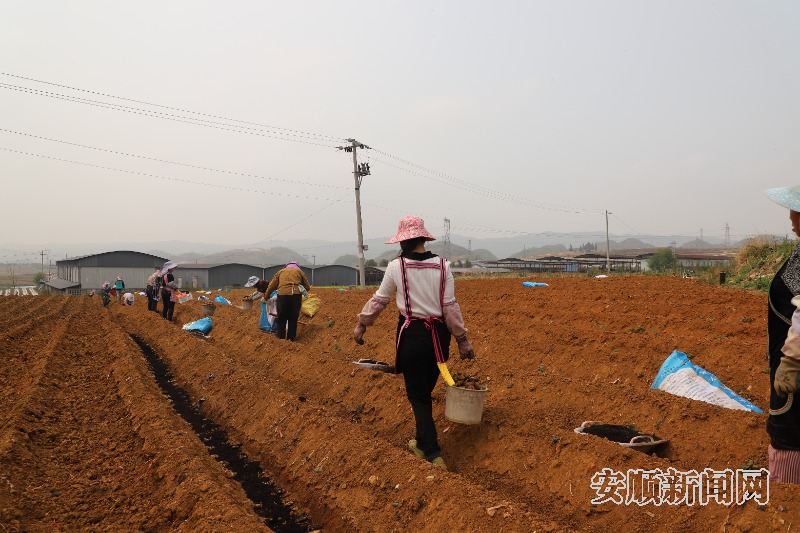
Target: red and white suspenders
x,y
429,322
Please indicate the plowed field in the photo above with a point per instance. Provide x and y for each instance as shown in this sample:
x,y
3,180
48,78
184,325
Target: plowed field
x,y
89,442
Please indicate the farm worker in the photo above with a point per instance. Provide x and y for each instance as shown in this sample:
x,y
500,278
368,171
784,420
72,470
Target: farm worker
x,y
288,281
169,290
783,328
127,298
118,286
422,285
152,289
260,286
105,291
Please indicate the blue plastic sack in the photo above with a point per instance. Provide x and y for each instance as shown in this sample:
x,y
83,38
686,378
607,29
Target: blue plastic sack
x,y
265,321
222,300
534,284
679,376
203,325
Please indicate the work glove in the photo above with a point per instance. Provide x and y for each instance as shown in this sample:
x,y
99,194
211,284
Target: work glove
x,y
358,333
787,376
464,347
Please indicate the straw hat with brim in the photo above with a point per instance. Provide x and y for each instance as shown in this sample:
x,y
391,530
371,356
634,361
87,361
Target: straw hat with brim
x,y
169,265
788,197
251,281
411,227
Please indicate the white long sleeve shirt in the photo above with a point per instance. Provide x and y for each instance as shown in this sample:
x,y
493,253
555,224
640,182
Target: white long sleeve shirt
x,y
423,287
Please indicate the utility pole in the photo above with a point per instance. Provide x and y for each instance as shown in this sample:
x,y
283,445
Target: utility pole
x,y
42,254
446,238
727,234
359,171
314,258
608,257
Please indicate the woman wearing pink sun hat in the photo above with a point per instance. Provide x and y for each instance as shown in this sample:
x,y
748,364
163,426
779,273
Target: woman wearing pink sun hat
x,y
422,286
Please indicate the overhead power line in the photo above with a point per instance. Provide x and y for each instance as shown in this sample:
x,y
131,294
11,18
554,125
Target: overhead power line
x,y
244,174
234,252
320,136
158,114
625,224
151,175
478,189
488,193
290,135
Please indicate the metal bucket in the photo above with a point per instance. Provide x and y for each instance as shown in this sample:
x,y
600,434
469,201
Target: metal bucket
x,y
247,304
464,406
208,309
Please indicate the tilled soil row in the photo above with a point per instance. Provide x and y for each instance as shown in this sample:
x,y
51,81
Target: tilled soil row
x,y
331,455
581,349
334,436
93,444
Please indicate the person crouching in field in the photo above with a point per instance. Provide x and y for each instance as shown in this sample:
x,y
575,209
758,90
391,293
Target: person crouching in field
x,y
783,329
422,285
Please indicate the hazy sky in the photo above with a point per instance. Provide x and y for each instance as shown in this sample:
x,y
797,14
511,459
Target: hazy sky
x,y
504,117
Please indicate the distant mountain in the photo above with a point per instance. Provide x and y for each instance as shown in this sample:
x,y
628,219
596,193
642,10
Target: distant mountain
x,y
756,239
249,256
314,251
696,244
533,253
350,260
556,249
453,253
629,244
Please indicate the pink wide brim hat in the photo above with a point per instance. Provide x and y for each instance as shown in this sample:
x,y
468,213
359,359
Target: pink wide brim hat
x,y
411,227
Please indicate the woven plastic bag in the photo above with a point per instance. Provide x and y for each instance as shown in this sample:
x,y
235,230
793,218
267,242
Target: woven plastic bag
x,y
268,321
203,325
311,305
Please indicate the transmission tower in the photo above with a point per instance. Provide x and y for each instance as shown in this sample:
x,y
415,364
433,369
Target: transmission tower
x,y
727,234
446,238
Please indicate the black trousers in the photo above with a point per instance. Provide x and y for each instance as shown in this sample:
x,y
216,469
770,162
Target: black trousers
x,y
416,359
168,304
152,304
288,314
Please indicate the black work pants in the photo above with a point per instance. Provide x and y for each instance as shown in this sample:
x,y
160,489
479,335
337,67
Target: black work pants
x,y
151,293
167,304
416,359
288,314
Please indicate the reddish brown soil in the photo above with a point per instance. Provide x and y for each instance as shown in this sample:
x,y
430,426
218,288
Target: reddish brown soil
x,y
87,440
